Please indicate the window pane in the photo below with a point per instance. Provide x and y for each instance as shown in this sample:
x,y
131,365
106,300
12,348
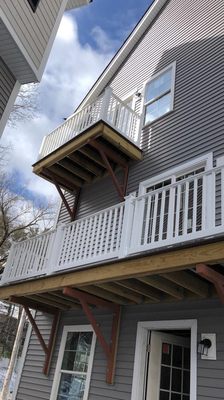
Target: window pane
x,y
175,396
158,86
164,395
77,351
186,382
71,387
158,108
165,378
176,380
166,353
177,356
187,358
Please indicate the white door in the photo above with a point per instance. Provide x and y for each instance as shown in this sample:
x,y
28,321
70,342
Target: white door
x,y
168,375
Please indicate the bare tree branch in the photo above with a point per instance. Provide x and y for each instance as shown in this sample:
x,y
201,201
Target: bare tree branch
x,y
26,106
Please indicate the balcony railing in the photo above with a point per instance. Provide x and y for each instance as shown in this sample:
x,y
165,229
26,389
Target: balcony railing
x,y
187,210
109,108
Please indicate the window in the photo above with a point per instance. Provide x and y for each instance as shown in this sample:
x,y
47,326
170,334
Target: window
x,y
159,94
72,376
33,4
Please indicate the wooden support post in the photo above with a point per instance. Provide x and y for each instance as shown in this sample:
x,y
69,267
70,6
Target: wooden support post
x,y
110,349
47,348
214,277
107,154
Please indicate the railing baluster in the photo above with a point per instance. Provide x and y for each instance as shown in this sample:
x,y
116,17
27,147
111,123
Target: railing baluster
x,y
195,203
162,210
185,208
147,203
178,201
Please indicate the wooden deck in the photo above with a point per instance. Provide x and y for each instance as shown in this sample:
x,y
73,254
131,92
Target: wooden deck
x,y
81,160
162,277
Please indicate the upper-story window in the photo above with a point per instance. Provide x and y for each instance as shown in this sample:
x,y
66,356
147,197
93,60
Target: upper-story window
x,y
159,94
33,4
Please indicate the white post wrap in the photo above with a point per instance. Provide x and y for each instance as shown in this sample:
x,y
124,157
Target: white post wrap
x,y
54,250
105,103
209,193
127,225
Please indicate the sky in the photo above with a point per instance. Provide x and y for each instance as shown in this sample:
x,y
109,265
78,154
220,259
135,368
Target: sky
x,y
86,41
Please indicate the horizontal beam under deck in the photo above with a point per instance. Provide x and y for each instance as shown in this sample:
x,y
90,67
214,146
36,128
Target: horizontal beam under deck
x,y
161,277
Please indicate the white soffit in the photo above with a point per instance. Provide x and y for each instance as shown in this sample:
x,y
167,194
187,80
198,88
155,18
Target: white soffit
x,y
77,3
124,51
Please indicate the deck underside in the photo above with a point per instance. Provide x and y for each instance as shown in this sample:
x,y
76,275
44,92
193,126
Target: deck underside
x,y
161,277
82,159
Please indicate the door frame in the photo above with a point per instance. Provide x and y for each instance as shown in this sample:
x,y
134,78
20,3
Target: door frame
x,y
143,330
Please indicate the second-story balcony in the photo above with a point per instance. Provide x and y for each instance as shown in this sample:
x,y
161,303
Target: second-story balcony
x,y
179,214
74,153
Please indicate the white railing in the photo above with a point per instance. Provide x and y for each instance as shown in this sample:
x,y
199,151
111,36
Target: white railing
x,y
108,108
187,210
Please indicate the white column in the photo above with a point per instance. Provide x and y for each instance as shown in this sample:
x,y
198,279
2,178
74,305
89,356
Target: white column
x,y
54,250
105,103
127,226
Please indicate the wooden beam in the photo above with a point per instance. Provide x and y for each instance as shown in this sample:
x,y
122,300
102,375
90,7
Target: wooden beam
x,y
48,349
110,153
61,181
68,148
111,348
76,170
64,300
214,277
163,285
92,155
34,305
122,291
138,287
104,294
189,282
86,163
45,298
124,145
63,173
159,263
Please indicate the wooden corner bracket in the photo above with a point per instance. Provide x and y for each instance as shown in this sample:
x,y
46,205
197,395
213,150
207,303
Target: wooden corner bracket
x,y
47,348
110,349
214,277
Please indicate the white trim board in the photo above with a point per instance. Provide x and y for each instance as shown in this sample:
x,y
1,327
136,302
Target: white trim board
x,y
143,330
205,160
9,107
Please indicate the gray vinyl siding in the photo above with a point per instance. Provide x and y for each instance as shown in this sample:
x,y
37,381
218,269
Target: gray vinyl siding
x,y
76,3
32,29
193,36
7,83
210,318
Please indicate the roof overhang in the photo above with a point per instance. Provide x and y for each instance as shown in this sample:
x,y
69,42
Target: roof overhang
x,y
77,3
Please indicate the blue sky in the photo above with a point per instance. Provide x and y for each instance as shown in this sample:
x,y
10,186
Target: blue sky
x,y
86,41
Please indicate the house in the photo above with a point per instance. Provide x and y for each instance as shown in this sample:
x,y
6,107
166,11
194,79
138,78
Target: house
x,y
27,32
127,291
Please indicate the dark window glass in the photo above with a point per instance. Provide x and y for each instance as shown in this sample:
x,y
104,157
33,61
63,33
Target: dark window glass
x,y
175,396
176,380
186,382
33,4
163,395
186,397
177,356
187,358
165,378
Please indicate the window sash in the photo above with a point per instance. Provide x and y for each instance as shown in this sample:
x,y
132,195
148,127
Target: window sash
x,y
170,90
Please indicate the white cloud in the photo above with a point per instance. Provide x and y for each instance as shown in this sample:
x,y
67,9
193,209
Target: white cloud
x,y
71,70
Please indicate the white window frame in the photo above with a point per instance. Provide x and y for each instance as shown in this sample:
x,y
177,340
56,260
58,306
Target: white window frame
x,y
66,330
143,330
205,161
172,90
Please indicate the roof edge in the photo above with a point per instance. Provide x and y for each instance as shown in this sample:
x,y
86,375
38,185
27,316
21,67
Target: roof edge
x,y
146,20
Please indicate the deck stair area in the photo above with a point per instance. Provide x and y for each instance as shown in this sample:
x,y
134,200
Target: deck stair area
x,y
100,138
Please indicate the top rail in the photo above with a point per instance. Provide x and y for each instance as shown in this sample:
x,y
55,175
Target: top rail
x,y
107,107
